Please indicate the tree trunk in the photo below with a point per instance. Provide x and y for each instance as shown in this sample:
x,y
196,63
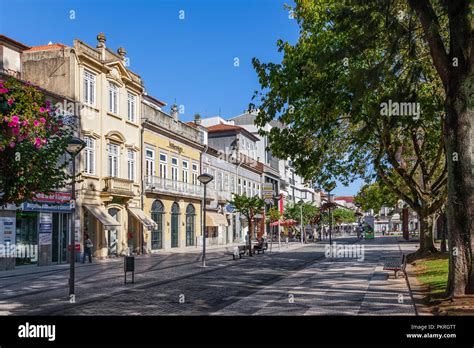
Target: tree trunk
x,y
250,236
459,117
444,232
427,225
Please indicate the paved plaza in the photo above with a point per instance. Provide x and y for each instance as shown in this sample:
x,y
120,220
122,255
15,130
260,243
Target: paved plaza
x,y
298,280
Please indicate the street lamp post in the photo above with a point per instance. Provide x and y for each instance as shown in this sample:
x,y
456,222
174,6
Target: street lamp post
x,y
331,186
204,179
74,146
301,221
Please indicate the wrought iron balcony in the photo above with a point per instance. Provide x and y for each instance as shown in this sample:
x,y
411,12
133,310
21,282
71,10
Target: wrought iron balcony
x,y
173,187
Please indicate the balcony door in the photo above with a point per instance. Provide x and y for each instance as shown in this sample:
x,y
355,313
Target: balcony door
x,y
157,211
175,225
190,226
150,164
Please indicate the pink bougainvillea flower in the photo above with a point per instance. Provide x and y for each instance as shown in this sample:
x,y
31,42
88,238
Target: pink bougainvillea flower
x,y
36,123
38,142
12,144
10,102
14,121
42,120
48,104
16,131
24,123
3,90
42,110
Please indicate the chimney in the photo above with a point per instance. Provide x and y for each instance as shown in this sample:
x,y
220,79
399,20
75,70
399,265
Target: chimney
x,y
101,43
197,119
174,112
121,52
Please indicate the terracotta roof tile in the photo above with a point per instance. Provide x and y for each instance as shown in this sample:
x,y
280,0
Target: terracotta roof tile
x,y
46,47
228,127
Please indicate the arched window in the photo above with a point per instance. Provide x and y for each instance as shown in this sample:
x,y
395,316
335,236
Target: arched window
x,y
157,211
175,225
190,225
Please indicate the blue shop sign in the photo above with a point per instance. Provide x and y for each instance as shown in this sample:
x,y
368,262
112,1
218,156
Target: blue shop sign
x,y
47,207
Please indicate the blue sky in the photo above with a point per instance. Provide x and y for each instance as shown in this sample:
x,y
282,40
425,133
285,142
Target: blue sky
x,y
190,60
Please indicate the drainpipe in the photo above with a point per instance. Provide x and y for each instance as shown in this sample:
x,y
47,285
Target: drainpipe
x,y
142,198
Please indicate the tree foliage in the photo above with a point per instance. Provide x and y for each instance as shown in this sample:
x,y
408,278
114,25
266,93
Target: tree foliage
x,y
335,92
375,196
33,140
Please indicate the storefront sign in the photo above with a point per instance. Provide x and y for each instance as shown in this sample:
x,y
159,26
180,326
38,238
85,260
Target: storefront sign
x,y
267,192
7,230
56,197
46,207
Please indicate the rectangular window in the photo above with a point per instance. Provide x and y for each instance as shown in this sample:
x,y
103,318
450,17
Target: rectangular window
x,y
240,187
232,184
226,182
220,182
150,162
89,88
89,156
174,169
131,164
214,182
113,160
163,166
131,107
113,98
185,171
195,174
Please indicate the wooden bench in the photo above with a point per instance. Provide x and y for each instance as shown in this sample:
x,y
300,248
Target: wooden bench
x,y
242,250
396,265
260,248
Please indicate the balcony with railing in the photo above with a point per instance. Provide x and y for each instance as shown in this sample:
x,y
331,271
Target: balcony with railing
x,y
164,120
173,187
118,186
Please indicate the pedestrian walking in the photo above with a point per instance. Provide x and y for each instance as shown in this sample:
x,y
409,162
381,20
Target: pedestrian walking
x,y
87,248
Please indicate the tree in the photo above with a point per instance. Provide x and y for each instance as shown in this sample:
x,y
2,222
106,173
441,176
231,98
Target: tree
x,y
248,207
360,88
449,24
343,216
33,141
375,196
293,211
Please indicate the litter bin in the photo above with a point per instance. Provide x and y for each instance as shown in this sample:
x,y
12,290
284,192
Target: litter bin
x,y
129,266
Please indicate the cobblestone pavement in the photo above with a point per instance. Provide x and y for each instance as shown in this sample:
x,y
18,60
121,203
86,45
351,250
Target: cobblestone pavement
x,y
298,280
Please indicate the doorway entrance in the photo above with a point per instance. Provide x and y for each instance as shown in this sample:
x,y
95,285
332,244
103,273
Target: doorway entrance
x,y
60,237
174,225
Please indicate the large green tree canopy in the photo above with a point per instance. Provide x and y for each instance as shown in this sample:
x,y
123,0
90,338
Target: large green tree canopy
x,y
380,90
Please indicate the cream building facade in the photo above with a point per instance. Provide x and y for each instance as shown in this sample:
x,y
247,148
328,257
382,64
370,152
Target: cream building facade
x,y
109,95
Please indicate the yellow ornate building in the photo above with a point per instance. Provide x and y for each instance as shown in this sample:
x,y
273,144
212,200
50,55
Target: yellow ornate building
x,y
171,165
110,95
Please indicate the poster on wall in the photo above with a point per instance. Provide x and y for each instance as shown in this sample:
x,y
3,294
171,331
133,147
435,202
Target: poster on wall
x,y
45,223
7,230
45,239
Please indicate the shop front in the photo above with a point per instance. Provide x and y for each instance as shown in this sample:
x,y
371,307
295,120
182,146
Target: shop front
x,y
43,229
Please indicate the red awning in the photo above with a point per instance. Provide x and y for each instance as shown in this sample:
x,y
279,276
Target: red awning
x,y
284,223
